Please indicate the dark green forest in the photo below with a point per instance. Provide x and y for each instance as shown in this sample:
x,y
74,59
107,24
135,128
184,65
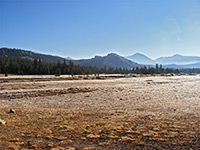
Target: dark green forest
x,y
194,70
21,66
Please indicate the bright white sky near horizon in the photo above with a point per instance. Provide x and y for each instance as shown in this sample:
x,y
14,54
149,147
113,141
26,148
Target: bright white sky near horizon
x,y
85,28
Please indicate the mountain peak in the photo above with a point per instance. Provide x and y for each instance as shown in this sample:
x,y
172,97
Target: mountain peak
x,y
176,55
69,58
140,58
112,54
97,56
139,54
110,60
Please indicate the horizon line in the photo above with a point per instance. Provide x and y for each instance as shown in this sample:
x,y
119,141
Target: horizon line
x,y
52,54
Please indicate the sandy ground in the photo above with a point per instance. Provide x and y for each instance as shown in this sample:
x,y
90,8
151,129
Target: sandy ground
x,y
122,113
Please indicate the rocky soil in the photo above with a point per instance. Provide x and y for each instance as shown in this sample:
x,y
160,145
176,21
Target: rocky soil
x,y
56,113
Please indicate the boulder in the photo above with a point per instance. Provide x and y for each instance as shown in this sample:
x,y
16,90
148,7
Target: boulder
x,y
12,111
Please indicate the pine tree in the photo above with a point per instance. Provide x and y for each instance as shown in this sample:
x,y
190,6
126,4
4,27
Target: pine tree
x,y
58,72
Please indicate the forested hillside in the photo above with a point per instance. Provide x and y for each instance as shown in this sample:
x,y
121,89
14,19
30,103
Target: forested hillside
x,y
29,67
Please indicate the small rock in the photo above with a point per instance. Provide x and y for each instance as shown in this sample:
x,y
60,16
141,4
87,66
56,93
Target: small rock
x,y
12,111
2,122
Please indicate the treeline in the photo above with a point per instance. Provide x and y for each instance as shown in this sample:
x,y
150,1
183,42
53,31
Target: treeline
x,y
37,67
193,70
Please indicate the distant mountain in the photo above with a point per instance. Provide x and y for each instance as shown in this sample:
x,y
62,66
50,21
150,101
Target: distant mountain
x,y
196,65
18,53
178,60
172,66
175,61
187,66
69,58
141,59
111,60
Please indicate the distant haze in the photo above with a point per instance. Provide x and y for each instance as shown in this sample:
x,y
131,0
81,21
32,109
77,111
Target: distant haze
x,y
175,59
84,28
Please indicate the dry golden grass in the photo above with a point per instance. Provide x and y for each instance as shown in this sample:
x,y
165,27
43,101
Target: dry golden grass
x,y
50,129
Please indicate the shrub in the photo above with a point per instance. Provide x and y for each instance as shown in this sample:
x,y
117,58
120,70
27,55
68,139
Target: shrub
x,y
98,77
58,72
6,74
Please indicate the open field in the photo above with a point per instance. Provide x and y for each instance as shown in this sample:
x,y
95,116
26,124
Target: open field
x,y
116,113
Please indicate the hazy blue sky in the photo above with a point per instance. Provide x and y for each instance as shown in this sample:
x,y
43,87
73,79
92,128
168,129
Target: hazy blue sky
x,y
84,28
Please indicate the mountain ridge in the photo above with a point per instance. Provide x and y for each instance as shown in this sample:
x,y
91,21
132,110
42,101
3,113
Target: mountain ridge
x,y
110,60
26,54
178,59
140,58
168,60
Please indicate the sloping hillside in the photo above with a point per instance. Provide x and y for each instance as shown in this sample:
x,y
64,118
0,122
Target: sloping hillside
x,y
141,59
112,60
18,53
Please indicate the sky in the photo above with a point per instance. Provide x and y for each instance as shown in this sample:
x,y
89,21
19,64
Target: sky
x,y
85,28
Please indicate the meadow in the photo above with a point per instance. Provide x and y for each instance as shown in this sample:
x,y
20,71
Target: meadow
x,y
108,112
